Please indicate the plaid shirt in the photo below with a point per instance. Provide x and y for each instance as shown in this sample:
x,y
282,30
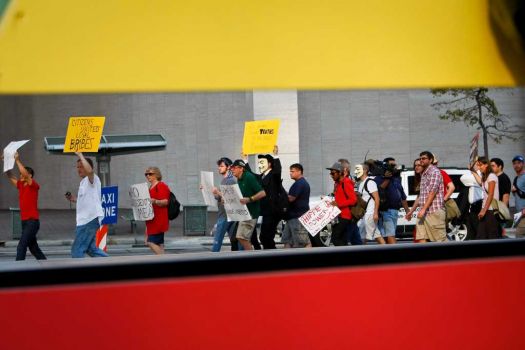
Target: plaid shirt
x,y
432,181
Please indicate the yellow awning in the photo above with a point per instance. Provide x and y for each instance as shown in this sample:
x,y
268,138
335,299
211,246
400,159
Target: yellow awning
x,y
64,46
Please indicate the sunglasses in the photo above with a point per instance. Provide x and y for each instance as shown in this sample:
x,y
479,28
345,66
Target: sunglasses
x,y
334,172
149,174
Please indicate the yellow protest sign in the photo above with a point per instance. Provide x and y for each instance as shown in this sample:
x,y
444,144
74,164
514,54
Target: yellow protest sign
x,y
83,134
260,136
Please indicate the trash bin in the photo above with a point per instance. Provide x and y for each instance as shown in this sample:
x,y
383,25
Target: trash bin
x,y
195,220
16,224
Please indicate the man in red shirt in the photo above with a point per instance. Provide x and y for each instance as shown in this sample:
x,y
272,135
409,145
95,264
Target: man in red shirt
x,y
344,198
28,199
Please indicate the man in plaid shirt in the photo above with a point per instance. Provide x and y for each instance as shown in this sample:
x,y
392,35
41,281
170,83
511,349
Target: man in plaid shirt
x,y
431,217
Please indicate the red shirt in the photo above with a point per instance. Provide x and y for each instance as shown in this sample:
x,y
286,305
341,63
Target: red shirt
x,y
28,199
345,199
160,222
446,181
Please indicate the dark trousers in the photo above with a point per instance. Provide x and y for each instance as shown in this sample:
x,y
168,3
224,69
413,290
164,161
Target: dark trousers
x,y
316,241
472,221
28,240
339,236
254,240
352,233
268,231
489,227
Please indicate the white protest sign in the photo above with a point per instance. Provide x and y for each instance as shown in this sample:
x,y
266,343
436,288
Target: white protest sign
x,y
234,209
9,153
207,188
319,216
140,202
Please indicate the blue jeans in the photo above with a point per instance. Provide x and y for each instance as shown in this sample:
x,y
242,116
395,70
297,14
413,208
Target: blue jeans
x,y
353,235
388,222
28,240
223,226
85,241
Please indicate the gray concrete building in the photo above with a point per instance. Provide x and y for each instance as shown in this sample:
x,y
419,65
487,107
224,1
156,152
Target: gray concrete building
x,y
317,127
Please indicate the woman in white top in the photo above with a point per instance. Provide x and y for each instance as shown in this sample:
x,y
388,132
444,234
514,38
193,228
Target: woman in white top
x,y
488,228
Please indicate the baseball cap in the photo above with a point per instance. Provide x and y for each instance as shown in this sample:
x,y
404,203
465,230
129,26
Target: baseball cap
x,y
518,159
239,162
336,166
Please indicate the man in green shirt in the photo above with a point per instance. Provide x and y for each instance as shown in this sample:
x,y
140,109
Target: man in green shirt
x,y
251,192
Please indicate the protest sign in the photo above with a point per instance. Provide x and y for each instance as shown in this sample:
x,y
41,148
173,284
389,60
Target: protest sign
x,y
260,136
9,153
234,209
473,155
110,204
319,216
83,134
140,202
207,188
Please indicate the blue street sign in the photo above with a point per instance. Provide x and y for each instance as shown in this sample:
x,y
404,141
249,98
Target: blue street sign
x,y
110,204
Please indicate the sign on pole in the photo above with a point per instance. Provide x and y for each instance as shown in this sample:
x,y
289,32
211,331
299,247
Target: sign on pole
x,y
234,209
140,202
319,216
207,188
110,204
9,153
473,156
260,136
83,134
101,237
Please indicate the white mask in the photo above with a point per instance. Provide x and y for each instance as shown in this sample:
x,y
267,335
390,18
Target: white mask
x,y
358,170
263,165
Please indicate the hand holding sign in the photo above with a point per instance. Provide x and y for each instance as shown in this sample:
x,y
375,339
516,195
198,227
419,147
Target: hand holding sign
x,y
319,216
260,136
83,134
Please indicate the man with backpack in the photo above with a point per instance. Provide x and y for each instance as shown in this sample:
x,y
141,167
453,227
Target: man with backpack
x,y
368,191
390,188
518,189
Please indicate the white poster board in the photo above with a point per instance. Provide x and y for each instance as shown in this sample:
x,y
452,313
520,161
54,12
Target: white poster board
x,y
140,202
207,188
319,216
234,209
9,153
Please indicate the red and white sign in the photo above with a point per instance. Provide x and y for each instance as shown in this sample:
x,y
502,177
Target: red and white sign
x,y
319,216
101,238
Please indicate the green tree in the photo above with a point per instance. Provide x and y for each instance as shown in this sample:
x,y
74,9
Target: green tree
x,y
476,109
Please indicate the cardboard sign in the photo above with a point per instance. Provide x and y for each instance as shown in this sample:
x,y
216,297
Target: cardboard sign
x,y
83,134
9,153
207,188
140,202
260,136
235,211
473,155
110,204
319,216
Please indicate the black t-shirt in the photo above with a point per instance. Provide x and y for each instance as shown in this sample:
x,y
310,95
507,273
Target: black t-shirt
x,y
504,185
301,191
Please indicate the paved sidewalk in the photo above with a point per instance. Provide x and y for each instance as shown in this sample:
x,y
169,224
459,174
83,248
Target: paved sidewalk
x,y
57,227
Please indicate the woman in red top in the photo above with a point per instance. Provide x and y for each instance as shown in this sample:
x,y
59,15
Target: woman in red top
x,y
156,227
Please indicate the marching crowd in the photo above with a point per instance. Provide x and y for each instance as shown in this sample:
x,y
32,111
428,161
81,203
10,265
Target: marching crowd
x,y
369,206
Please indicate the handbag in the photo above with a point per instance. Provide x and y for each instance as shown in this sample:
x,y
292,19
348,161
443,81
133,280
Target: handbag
x,y
500,210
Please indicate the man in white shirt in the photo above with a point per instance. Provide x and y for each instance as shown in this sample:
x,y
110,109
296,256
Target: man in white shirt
x,y
89,210
369,193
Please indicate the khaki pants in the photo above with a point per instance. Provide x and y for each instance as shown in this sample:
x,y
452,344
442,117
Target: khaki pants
x,y
520,229
432,227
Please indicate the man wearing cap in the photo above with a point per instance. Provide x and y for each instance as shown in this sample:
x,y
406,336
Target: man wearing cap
x,y
344,198
518,189
252,193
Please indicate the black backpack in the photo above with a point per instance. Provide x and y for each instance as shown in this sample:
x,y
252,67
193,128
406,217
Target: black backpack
x,y
279,202
520,193
173,207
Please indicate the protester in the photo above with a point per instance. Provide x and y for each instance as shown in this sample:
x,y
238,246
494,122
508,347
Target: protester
x,y
451,208
160,194
223,225
488,227
352,231
504,184
369,193
294,234
344,198
272,208
252,193
395,198
89,210
28,201
475,200
431,216
518,189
